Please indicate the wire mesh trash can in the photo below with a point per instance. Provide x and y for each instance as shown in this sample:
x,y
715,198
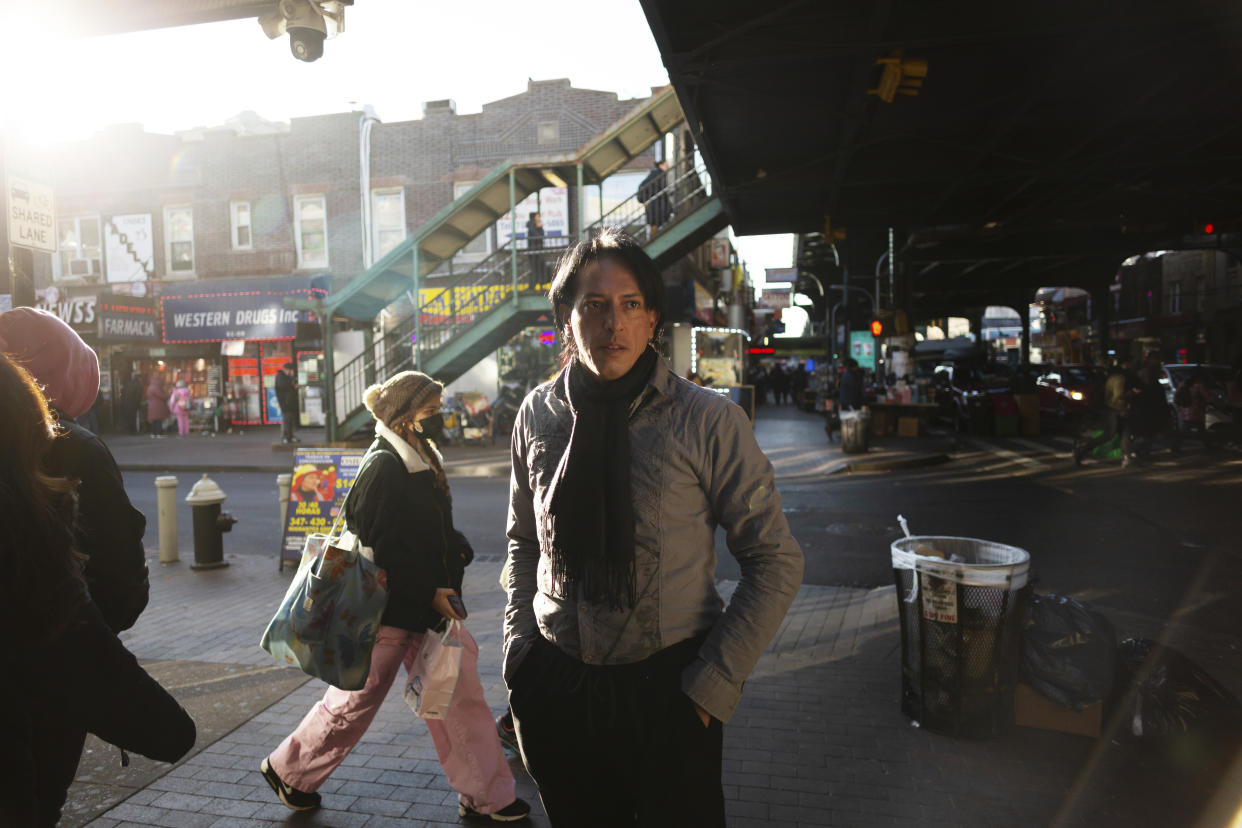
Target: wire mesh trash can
x,y
855,427
961,619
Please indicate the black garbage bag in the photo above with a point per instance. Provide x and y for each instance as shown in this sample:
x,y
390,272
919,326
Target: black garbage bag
x,y
1069,651
1173,695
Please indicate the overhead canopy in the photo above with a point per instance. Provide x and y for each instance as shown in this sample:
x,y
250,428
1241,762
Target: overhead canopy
x,y
446,233
1111,125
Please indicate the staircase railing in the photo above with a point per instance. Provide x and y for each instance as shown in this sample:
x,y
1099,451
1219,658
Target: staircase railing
x,y
454,298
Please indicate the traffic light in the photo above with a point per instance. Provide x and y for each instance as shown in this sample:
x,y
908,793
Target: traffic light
x,y
877,327
900,75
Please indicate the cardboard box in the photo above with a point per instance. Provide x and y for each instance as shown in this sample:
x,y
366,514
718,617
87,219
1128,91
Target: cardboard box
x,y
1032,709
907,426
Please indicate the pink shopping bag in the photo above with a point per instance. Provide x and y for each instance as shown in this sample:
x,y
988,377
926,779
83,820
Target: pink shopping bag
x,y
433,676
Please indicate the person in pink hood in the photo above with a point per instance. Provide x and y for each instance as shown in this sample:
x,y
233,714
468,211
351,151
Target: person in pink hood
x,y
180,403
109,529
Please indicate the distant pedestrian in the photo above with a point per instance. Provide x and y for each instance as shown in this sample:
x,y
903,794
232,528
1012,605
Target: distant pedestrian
x,y
109,529
131,397
534,247
850,387
778,381
653,193
179,403
401,507
66,673
1109,418
1149,414
621,659
287,399
157,405
798,381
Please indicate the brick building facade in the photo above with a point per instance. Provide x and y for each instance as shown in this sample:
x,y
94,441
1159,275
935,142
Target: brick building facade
x,y
211,219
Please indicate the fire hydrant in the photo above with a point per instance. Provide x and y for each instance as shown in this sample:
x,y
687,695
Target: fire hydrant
x,y
210,524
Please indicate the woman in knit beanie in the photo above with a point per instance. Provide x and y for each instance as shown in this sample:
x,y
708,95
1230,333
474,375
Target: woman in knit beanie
x,y
400,507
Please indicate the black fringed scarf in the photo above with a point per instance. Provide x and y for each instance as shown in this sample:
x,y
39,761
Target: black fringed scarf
x,y
592,510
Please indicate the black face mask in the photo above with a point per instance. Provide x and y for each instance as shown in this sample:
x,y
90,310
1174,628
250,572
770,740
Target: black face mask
x,y
433,425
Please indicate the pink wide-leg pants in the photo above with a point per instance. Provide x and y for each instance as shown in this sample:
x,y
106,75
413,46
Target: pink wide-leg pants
x,y
466,740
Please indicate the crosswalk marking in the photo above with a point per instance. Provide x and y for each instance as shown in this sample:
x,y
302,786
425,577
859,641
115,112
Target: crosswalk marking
x,y
1031,444
1010,455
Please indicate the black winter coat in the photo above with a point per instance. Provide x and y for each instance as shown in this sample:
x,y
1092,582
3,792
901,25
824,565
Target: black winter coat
x,y
286,394
109,529
408,523
83,681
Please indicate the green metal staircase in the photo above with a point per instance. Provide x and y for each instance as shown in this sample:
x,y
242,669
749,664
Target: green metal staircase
x,y
459,316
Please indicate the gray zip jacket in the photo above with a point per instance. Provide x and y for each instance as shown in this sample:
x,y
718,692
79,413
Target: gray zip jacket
x,y
695,464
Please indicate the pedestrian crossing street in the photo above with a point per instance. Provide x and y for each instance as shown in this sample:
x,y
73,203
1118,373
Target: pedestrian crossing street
x,y
976,458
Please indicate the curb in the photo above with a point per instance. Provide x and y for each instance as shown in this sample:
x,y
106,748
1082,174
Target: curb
x,y
472,470
895,464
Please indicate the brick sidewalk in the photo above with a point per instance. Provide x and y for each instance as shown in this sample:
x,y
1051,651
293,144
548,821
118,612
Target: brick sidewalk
x,y
817,740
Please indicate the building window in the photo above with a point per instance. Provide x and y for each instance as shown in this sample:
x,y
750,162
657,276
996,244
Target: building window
x,y
79,253
387,220
310,217
1175,297
179,239
480,245
239,213
549,133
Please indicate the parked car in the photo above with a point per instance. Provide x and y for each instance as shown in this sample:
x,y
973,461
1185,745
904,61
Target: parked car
x,y
1069,390
963,390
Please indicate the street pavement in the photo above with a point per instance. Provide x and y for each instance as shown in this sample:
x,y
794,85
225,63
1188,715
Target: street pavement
x,y
818,739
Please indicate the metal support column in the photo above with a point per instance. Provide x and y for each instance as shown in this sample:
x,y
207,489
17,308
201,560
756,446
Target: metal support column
x,y
329,376
418,313
368,365
513,258
581,206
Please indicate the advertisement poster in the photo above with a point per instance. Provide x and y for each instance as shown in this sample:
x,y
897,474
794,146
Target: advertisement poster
x,y
129,248
553,207
862,348
321,477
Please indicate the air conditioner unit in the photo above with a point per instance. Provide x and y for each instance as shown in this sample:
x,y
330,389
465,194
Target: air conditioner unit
x,y
80,267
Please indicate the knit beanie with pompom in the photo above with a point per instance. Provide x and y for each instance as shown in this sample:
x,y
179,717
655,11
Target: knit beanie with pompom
x,y
401,397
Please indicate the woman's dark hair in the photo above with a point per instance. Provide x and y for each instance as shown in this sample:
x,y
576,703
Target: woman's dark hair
x,y
608,243
42,585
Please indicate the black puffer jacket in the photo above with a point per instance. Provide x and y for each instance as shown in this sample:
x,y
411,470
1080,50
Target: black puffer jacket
x,y
408,521
109,527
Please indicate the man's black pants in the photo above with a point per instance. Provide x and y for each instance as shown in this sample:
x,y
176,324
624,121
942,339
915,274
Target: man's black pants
x,y
617,745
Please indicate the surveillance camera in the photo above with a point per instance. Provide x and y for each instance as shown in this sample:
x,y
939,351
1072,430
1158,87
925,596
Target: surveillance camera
x,y
306,43
307,22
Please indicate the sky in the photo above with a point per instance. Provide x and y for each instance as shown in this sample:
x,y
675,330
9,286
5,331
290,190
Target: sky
x,y
393,55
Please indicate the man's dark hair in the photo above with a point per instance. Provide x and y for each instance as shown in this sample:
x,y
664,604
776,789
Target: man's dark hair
x,y
620,247
851,363
290,365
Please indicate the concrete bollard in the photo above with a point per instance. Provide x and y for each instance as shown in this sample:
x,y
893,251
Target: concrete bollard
x,y
166,507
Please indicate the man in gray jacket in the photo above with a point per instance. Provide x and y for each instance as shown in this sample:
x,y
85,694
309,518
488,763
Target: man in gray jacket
x,y
622,661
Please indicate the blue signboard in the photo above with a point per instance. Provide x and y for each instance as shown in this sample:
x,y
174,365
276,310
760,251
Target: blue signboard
x,y
321,478
219,316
